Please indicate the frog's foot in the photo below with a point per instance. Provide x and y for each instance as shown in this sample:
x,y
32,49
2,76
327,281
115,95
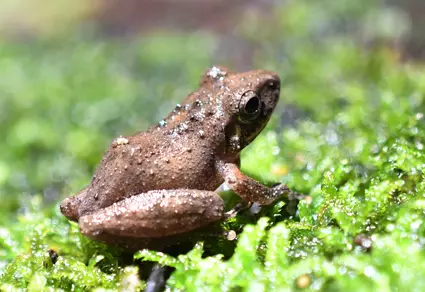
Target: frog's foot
x,y
236,209
155,214
249,189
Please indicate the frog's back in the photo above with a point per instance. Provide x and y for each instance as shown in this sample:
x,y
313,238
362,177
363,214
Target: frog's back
x,y
151,160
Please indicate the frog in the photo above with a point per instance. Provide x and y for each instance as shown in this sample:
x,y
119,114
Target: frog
x,y
157,186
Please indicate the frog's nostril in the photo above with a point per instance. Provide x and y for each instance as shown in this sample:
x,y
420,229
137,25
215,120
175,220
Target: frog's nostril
x,y
273,85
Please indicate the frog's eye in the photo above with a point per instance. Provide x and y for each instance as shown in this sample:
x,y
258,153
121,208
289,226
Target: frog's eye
x,y
249,106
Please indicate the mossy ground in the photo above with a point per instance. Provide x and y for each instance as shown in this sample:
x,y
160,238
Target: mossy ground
x,y
348,133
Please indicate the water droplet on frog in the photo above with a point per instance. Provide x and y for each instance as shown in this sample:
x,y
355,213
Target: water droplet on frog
x,y
139,161
97,232
162,123
125,167
201,134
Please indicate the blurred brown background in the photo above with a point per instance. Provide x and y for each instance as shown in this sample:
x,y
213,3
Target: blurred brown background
x,y
127,18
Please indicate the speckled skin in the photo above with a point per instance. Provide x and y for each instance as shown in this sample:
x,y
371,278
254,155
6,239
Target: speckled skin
x,y
159,183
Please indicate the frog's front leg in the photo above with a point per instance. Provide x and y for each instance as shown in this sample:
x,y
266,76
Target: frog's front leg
x,y
155,214
249,189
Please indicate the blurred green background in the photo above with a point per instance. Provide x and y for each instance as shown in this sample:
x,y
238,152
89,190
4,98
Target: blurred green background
x,y
76,74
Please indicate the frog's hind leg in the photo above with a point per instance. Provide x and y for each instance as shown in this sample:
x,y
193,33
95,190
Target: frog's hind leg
x,y
154,215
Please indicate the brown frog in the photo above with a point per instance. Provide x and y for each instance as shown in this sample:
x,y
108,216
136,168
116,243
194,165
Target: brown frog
x,y
157,185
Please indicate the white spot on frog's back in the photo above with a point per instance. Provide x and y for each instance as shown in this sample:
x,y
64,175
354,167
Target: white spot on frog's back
x,y
162,123
217,73
119,141
179,129
134,150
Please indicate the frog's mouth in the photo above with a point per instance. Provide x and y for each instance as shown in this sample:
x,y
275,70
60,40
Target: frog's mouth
x,y
269,101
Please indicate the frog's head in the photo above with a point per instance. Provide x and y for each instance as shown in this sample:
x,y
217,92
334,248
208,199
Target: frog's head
x,y
247,101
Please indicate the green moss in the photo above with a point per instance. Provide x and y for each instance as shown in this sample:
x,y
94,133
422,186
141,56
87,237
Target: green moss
x,y
348,133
